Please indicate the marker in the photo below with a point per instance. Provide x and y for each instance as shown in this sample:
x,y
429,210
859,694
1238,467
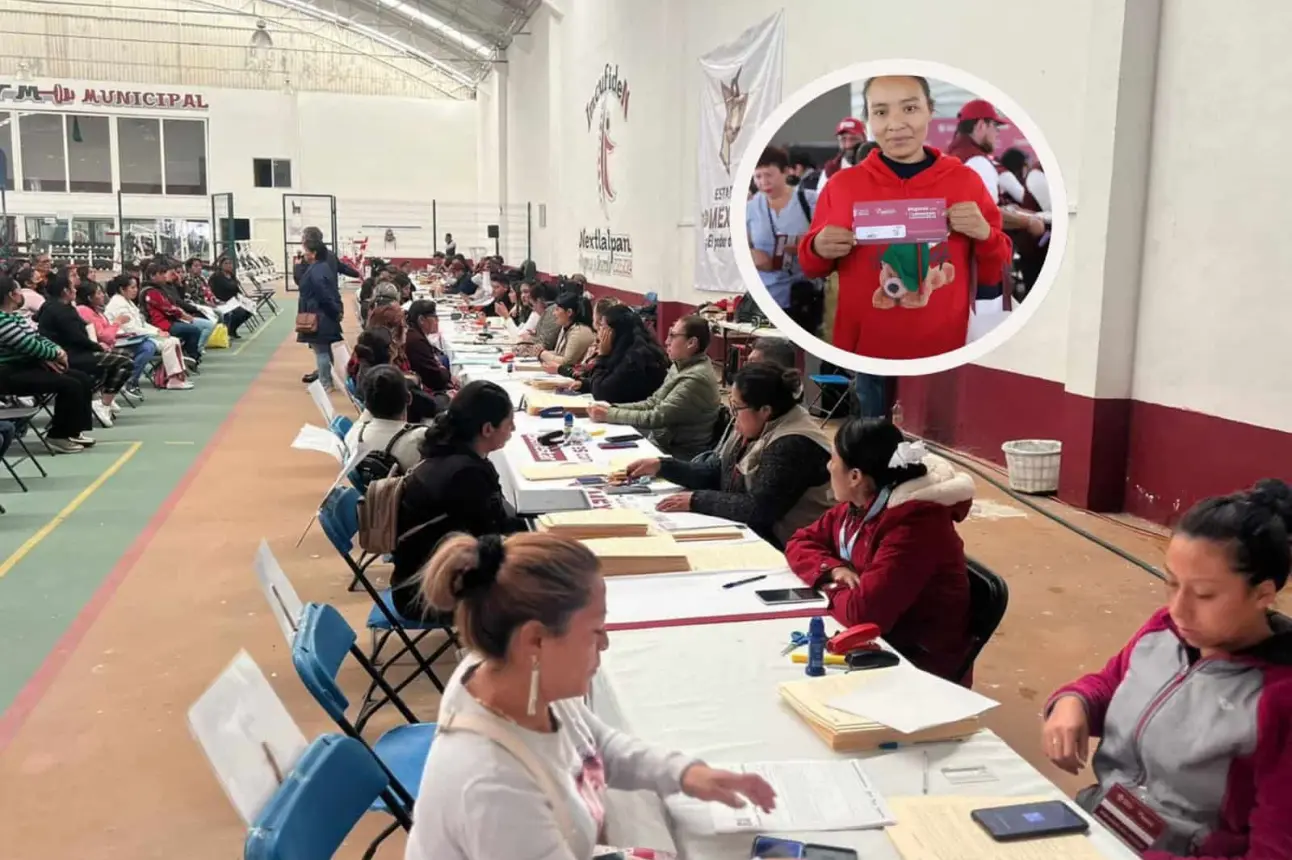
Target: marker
x,y
830,659
745,581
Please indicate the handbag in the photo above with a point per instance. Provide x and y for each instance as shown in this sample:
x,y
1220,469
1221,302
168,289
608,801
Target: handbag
x,y
307,323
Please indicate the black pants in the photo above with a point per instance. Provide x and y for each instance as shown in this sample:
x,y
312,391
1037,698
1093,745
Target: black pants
x,y
235,318
110,370
71,389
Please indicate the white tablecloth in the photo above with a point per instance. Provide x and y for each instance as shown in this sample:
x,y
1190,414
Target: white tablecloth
x,y
711,691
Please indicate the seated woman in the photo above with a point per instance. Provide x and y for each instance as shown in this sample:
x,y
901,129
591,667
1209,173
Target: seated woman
x,y
427,360
631,365
90,302
574,316
531,610
541,329
681,414
32,283
888,553
772,472
1194,714
225,288
60,323
384,424
123,291
455,488
34,366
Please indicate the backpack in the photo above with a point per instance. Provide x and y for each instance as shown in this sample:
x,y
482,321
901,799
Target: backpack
x,y
376,465
379,516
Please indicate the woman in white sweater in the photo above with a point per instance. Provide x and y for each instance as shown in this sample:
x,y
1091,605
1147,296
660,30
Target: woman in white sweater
x,y
122,291
520,765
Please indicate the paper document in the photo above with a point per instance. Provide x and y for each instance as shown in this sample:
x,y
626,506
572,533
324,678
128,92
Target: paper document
x,y
810,796
754,556
939,828
322,401
284,603
910,701
228,307
311,438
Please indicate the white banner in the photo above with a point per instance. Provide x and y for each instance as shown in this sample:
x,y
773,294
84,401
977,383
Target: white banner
x,y
741,86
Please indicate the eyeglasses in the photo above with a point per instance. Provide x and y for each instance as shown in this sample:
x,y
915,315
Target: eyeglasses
x,y
673,335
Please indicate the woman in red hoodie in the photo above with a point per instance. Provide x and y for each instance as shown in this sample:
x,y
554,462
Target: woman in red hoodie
x,y
1194,716
889,554
905,300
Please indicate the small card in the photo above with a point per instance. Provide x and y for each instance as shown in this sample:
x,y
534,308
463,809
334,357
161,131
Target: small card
x,y
969,775
1130,818
900,221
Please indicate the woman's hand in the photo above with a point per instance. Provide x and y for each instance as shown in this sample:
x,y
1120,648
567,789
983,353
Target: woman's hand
x,y
678,503
599,411
647,468
762,260
732,789
966,219
845,577
833,243
551,366
1066,735
122,319
500,308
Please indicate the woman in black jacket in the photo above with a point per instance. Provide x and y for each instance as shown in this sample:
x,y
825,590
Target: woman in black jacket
x,y
319,310
225,287
630,366
455,488
59,322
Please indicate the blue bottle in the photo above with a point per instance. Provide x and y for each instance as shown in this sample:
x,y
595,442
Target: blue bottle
x,y
569,425
816,647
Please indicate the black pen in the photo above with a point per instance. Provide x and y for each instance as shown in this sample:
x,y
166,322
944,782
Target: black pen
x,y
745,581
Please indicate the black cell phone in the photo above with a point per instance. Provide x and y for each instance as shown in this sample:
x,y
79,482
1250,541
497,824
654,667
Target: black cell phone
x,y
827,852
775,848
1030,821
624,437
787,596
611,445
628,490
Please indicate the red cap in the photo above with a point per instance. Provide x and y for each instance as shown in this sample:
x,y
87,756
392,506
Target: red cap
x,y
850,125
977,109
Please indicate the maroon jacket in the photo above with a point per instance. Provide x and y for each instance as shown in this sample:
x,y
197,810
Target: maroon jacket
x,y
911,562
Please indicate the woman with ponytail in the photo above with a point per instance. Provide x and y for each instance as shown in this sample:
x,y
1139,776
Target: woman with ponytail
x,y
520,766
1194,716
888,553
455,488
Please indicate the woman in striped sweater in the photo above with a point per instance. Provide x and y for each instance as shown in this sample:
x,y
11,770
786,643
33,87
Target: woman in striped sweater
x,y
31,366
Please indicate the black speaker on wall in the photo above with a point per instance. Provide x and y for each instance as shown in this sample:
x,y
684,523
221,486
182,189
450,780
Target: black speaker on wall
x,y
493,231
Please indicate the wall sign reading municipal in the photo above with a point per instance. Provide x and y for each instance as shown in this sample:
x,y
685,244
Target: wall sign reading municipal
x,y
59,95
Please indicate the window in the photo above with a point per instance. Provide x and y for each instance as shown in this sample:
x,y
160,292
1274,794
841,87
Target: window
x,y
89,154
185,156
272,172
46,228
139,159
6,150
44,166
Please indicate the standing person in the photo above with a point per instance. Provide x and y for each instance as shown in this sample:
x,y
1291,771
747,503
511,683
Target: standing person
x,y
123,294
336,265
59,322
450,246
224,287
803,169
531,610
319,310
775,219
906,300
1031,182
850,132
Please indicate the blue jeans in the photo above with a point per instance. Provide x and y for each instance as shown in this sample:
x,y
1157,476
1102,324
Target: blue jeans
x,y
323,363
207,329
190,337
144,353
871,396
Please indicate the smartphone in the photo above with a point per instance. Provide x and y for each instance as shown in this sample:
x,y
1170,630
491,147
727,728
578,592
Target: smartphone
x,y
827,852
628,490
625,437
591,481
1030,821
786,596
610,445
771,848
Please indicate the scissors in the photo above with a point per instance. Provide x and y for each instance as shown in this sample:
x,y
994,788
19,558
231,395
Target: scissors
x,y
797,640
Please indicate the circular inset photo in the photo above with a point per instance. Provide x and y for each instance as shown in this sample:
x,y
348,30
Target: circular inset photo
x,y
902,218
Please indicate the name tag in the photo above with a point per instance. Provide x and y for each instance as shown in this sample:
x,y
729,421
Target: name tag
x,y
902,221
1130,818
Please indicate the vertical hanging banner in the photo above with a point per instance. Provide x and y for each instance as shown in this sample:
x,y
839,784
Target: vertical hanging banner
x,y
740,87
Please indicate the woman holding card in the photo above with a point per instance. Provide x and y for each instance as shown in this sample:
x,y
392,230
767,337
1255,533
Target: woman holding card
x,y
1194,715
913,234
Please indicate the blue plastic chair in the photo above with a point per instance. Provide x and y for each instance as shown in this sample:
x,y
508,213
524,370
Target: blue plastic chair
x,y
333,785
323,640
339,519
341,425
826,382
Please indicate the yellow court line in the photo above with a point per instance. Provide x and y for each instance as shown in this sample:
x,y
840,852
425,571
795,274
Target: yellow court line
x,y
32,542
255,334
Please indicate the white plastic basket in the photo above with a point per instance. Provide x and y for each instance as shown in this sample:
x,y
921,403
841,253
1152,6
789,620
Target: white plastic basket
x,y
1033,465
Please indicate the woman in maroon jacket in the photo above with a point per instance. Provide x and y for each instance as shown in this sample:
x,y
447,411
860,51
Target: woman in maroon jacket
x,y
889,554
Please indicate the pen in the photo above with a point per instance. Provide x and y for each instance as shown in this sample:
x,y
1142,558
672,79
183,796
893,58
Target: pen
x,y
744,581
830,659
926,773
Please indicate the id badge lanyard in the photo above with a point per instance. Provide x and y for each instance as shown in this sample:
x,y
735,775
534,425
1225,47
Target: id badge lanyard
x,y
846,544
776,234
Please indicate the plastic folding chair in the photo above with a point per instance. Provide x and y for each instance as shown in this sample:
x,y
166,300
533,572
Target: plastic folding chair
x,y
333,785
323,640
988,599
339,519
20,418
341,425
829,382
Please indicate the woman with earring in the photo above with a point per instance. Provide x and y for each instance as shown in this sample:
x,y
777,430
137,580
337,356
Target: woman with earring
x,y
520,766
888,553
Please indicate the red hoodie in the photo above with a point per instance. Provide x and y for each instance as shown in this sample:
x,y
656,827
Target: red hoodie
x,y
911,563
932,317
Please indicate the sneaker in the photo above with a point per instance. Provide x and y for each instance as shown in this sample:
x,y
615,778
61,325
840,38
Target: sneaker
x,y
135,391
102,412
63,446
82,440
310,377
115,407
179,385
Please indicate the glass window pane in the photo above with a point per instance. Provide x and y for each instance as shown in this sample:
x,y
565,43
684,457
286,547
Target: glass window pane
x,y
46,228
282,174
6,147
41,138
138,155
89,154
263,168
185,156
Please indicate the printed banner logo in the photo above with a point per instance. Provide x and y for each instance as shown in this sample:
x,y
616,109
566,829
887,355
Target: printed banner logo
x,y
61,95
734,102
610,87
604,253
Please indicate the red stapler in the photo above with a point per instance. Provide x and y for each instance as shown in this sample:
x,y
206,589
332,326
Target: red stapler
x,y
506,357
857,638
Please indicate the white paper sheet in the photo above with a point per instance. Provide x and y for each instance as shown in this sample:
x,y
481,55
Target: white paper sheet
x,y
284,603
228,307
311,438
322,401
247,734
810,796
906,699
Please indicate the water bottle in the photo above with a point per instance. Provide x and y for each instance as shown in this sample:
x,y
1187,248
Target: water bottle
x,y
816,647
511,366
897,415
569,426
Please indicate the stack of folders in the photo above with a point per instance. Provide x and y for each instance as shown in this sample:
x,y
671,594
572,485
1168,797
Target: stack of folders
x,y
536,401
587,525
847,732
636,556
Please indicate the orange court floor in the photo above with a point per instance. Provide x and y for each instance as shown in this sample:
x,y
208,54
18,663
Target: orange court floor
x,y
96,761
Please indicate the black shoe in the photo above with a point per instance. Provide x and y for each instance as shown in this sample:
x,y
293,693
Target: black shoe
x,y
310,377
135,391
233,335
